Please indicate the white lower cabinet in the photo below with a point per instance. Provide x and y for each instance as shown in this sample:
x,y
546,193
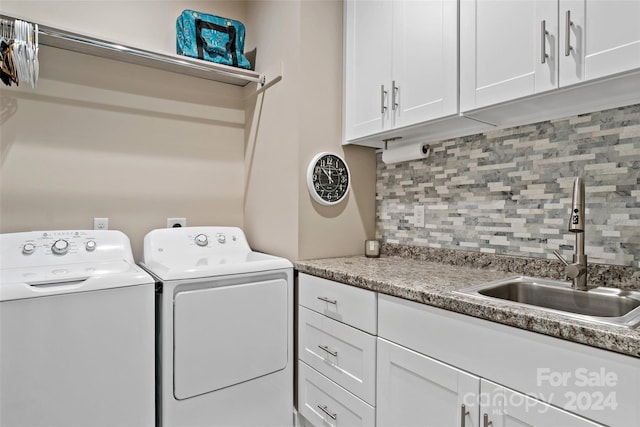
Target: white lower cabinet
x,y
368,359
343,354
324,403
336,353
501,407
416,390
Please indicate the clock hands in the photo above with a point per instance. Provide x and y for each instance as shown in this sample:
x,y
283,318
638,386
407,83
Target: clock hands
x,y
328,175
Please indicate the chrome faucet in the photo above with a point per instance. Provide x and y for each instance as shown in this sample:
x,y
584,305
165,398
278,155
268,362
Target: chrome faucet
x,y
577,271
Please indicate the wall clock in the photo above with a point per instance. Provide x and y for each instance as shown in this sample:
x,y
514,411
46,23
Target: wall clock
x,y
328,179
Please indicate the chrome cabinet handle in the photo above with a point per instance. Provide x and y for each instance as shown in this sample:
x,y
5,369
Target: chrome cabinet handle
x,y
567,38
328,350
330,301
486,422
324,409
383,95
463,415
394,96
543,42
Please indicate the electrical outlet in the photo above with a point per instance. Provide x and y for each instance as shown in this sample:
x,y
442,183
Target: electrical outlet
x,y
176,222
100,223
418,215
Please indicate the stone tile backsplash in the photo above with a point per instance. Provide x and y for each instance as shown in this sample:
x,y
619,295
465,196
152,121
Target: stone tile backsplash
x,y
509,191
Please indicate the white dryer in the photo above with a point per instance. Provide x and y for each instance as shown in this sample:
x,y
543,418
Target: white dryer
x,y
224,318
76,331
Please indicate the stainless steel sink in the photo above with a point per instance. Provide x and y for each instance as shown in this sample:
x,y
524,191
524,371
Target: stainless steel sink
x,y
608,305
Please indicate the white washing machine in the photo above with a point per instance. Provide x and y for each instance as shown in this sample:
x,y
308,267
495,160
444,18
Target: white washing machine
x,y
76,331
224,318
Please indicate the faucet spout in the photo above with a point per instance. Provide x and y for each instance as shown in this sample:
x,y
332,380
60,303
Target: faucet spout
x,y
577,271
576,220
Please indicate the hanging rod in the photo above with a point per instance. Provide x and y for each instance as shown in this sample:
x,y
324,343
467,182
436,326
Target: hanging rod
x,y
62,39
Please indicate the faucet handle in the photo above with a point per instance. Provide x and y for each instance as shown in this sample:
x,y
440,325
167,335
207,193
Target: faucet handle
x,y
572,271
561,258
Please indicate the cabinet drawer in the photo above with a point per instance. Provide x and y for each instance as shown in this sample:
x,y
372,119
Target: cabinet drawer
x,y
323,402
344,303
344,354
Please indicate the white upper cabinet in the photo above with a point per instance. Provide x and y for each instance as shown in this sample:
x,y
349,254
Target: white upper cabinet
x,y
367,66
501,50
400,64
598,38
509,50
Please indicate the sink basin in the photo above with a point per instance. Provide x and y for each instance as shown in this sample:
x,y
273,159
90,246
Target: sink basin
x,y
607,305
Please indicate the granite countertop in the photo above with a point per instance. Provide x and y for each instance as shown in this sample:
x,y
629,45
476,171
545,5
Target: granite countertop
x,y
421,279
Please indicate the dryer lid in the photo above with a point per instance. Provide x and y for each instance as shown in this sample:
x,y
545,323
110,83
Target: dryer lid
x,y
199,252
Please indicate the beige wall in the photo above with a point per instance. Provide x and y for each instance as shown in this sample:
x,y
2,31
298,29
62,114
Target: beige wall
x,y
342,229
295,119
99,138
272,135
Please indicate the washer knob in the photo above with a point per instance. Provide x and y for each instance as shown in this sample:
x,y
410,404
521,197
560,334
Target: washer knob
x,y
60,247
28,248
202,240
221,238
90,246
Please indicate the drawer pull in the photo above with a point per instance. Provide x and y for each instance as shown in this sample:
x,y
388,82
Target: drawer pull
x,y
324,409
330,301
328,350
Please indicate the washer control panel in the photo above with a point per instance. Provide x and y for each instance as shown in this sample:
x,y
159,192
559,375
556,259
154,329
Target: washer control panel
x,y
66,246
59,243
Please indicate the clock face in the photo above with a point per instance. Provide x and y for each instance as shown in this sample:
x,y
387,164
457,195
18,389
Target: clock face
x,y
328,179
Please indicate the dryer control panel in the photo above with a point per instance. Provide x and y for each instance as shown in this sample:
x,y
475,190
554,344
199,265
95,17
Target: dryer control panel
x,y
194,242
199,252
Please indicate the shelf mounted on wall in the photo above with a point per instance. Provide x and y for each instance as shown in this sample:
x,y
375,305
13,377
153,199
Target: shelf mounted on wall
x,y
62,39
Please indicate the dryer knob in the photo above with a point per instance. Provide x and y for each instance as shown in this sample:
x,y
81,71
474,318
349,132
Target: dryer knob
x,y
222,238
60,247
90,246
202,240
28,248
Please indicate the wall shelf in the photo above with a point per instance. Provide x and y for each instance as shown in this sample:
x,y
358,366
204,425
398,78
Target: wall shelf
x,y
62,39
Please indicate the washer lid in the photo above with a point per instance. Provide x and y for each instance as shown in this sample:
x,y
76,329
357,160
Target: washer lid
x,y
21,283
53,262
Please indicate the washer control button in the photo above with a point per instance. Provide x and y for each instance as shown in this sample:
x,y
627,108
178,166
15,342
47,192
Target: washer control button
x,y
90,246
28,248
202,240
60,247
222,238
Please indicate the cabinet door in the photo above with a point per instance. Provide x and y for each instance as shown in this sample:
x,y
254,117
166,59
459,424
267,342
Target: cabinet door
x,y
501,50
367,66
414,390
506,408
425,61
603,37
